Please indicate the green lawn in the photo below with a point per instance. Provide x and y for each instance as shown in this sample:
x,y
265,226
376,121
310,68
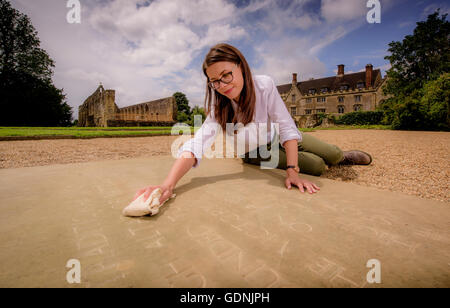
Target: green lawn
x,y
71,128
82,132
340,127
92,132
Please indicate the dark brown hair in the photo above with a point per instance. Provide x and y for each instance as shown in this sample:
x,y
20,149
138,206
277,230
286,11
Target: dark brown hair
x,y
223,110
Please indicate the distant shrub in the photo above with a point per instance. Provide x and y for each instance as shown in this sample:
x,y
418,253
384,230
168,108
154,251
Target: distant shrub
x,y
360,118
320,117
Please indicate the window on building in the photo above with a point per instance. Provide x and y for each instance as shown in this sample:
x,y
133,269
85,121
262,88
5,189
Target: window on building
x,y
357,107
320,110
309,100
293,98
360,85
307,111
340,99
321,99
312,91
340,109
357,98
343,87
293,111
324,90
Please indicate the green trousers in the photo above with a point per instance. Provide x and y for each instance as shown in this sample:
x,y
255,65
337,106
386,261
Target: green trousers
x,y
313,155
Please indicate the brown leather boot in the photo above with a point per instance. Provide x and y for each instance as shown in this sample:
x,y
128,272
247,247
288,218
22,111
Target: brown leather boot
x,y
356,157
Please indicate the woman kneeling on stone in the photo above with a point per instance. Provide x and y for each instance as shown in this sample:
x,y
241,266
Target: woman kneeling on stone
x,y
233,95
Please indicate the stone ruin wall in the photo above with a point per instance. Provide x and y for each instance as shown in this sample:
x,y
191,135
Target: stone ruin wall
x,y
100,110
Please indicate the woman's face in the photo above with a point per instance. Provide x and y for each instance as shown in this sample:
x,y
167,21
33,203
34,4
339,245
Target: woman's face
x,y
218,70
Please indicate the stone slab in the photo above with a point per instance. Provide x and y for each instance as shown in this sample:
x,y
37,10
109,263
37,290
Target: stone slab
x,y
231,225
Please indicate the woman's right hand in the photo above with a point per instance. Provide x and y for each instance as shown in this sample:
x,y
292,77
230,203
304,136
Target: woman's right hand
x,y
167,191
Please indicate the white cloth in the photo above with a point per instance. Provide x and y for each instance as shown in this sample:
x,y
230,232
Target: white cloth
x,y
269,109
151,206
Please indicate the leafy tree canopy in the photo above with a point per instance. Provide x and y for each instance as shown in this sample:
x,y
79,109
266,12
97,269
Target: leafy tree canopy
x,y
28,96
182,103
418,80
420,57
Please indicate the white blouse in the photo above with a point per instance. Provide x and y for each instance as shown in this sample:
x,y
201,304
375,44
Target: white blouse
x,y
269,109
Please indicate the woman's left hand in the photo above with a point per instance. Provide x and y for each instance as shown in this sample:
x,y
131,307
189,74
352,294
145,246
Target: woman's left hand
x,y
294,179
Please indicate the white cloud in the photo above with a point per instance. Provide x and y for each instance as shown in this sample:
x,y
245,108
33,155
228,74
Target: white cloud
x,y
167,35
256,5
163,31
82,75
373,54
286,57
343,10
430,9
276,19
333,35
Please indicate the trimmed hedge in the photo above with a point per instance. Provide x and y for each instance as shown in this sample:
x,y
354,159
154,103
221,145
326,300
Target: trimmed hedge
x,y
360,118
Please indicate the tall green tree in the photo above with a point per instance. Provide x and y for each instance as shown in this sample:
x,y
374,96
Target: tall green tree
x,y
415,61
27,94
184,111
182,102
197,111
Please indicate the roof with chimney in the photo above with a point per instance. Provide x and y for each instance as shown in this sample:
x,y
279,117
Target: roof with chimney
x,y
334,83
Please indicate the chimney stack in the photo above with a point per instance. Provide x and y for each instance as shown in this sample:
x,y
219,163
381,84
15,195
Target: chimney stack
x,y
369,71
294,79
340,70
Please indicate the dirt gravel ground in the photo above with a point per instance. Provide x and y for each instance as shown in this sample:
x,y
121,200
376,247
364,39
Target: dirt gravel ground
x,y
415,163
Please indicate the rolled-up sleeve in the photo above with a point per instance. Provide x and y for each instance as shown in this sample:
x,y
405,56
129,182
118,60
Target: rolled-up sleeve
x,y
278,113
202,141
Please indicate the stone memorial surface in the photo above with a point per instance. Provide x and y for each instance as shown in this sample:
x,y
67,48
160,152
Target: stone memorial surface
x,y
230,225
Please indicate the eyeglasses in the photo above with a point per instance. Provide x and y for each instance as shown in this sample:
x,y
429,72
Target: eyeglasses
x,y
226,79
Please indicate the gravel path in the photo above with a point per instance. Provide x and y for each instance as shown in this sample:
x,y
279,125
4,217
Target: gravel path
x,y
415,163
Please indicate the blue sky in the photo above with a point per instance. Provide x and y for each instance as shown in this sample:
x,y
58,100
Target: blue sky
x,y
147,50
